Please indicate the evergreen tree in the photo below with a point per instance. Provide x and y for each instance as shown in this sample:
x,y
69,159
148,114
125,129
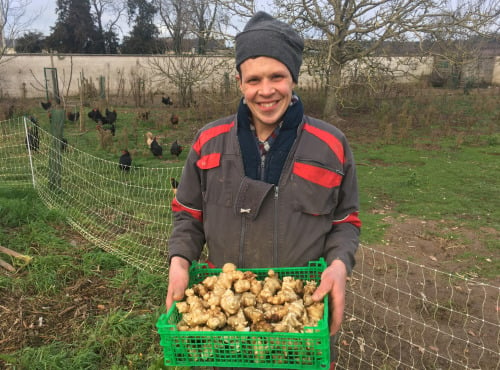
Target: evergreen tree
x,y
74,31
111,42
31,42
143,38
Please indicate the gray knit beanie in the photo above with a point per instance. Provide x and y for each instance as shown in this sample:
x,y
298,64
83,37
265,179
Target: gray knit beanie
x,y
265,36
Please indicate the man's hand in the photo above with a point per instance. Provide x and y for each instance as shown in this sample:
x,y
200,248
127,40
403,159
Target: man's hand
x,y
333,281
178,279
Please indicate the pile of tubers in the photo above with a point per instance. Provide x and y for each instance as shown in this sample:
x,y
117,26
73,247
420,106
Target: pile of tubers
x,y
236,300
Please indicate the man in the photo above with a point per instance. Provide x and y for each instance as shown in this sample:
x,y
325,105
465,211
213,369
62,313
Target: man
x,y
268,186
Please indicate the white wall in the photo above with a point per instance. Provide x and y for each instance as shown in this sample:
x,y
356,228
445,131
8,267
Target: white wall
x,y
18,72
496,72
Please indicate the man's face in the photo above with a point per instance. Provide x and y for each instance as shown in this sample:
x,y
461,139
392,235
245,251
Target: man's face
x,y
267,87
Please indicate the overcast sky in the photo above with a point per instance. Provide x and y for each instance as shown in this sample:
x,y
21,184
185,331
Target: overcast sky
x,y
44,13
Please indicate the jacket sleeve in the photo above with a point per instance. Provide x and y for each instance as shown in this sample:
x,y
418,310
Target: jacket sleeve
x,y
188,238
343,239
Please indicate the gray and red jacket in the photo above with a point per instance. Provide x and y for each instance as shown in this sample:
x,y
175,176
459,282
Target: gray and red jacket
x,y
312,213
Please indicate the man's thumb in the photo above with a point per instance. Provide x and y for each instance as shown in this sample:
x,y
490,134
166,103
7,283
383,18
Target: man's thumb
x,y
319,294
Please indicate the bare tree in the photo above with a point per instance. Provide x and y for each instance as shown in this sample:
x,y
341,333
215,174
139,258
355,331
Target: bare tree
x,y
356,29
175,16
205,16
349,30
460,39
113,11
241,8
13,22
238,12
188,72
352,30
203,19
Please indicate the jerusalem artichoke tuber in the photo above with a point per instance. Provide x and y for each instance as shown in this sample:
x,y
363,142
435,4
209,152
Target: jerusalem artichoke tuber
x,y
237,300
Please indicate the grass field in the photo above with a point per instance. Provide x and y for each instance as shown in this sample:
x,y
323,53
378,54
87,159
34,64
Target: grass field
x,y
427,159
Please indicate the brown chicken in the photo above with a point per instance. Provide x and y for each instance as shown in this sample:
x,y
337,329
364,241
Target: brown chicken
x,y
174,119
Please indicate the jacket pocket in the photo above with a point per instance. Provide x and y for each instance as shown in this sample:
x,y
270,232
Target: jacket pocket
x,y
315,187
251,195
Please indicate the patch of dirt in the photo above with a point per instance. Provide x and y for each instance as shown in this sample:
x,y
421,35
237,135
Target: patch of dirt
x,y
437,244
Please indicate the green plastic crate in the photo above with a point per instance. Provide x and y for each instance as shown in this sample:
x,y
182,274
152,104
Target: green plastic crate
x,y
308,350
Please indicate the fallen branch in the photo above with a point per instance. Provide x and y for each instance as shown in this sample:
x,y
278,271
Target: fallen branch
x,y
7,266
26,259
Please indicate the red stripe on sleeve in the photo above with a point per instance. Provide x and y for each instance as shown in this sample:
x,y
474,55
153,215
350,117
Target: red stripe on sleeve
x,y
352,219
317,175
334,143
178,207
209,134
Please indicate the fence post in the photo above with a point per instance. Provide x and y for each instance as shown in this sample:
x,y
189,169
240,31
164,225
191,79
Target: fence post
x,y
55,157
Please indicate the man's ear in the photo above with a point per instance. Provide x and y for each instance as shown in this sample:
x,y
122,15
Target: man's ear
x,y
238,78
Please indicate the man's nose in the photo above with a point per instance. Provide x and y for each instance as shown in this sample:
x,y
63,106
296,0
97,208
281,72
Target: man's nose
x,y
267,88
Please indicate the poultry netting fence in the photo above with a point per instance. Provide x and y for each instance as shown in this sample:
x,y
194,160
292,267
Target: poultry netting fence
x,y
124,212
399,314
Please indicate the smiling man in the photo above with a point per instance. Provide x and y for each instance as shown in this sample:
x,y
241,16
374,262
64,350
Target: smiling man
x,y
268,186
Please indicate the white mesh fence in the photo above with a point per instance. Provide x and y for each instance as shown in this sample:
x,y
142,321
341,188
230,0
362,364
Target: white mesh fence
x,y
399,315
123,212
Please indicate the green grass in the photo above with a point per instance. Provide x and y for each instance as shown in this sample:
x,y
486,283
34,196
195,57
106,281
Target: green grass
x,y
446,171
456,184
122,337
427,173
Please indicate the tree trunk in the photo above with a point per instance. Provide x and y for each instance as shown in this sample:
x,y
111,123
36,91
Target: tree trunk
x,y
332,92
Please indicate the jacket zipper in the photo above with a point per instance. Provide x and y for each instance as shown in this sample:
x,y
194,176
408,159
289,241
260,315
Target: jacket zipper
x,y
262,168
242,240
275,228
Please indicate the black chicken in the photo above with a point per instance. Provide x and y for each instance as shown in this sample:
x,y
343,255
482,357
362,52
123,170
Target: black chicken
x,y
107,122
33,140
47,105
176,149
10,112
156,148
125,160
109,126
64,144
110,116
167,100
95,115
73,117
33,119
175,184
